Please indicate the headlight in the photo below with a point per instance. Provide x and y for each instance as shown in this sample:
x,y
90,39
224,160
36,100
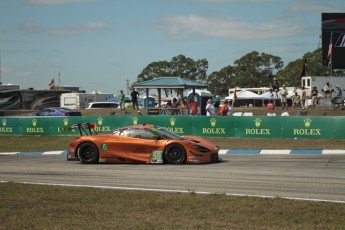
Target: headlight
x,y
201,149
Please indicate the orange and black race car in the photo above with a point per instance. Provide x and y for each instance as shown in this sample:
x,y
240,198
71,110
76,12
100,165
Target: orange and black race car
x,y
139,144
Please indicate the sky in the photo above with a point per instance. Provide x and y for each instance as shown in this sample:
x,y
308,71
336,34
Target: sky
x,y
101,45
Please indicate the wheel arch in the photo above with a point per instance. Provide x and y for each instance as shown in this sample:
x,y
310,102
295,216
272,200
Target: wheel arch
x,y
168,147
84,144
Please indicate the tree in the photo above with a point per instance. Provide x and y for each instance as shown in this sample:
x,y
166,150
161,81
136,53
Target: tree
x,y
220,82
290,75
179,66
251,70
256,70
153,70
188,68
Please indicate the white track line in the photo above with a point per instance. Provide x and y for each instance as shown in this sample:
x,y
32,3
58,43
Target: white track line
x,y
178,191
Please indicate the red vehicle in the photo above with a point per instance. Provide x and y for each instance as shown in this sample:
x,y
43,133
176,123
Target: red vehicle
x,y
139,144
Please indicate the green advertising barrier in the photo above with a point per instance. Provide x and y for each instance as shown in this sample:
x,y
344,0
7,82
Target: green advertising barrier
x,y
308,127
10,126
209,126
338,128
258,127
214,126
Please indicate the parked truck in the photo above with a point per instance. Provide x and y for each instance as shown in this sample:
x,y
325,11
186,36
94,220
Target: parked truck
x,y
81,100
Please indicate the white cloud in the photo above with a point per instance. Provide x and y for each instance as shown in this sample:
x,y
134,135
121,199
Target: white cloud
x,y
71,30
274,50
180,27
56,2
15,72
314,7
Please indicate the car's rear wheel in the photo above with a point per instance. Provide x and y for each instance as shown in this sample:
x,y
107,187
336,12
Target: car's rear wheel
x,y
88,153
175,154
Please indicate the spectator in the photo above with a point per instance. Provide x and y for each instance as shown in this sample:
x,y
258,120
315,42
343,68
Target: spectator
x,y
327,90
174,107
272,97
315,96
192,107
283,94
275,85
303,97
295,99
210,109
174,103
216,101
224,110
121,98
339,93
227,108
134,97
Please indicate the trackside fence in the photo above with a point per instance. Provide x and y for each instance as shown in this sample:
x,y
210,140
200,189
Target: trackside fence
x,y
241,126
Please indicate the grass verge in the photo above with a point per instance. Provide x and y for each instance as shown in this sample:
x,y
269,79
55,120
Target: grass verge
x,y
52,207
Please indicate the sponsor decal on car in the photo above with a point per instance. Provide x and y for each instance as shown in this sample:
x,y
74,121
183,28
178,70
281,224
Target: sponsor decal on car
x,y
157,157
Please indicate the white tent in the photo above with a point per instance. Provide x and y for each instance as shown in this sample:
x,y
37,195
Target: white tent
x,y
267,95
244,94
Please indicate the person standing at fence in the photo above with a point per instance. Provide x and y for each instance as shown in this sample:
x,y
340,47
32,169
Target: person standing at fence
x,y
223,111
295,99
303,97
192,106
121,98
283,95
315,96
216,101
134,97
210,109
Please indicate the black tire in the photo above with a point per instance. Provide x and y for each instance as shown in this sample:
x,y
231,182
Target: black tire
x,y
175,154
88,153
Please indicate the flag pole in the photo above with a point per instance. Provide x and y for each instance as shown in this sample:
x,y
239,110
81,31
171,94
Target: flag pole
x,y
330,54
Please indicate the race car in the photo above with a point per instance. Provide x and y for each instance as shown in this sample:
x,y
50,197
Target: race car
x,y
143,143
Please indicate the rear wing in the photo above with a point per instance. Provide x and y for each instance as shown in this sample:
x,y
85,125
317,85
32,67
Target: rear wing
x,y
86,128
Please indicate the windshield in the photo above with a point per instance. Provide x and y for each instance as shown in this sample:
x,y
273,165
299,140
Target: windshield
x,y
162,133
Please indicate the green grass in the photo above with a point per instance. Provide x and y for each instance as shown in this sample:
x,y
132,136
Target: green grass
x,y
53,207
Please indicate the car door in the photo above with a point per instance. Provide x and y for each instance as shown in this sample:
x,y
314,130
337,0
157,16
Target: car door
x,y
140,145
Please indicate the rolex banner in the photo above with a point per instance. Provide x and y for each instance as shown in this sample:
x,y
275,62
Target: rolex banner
x,y
308,127
207,126
214,126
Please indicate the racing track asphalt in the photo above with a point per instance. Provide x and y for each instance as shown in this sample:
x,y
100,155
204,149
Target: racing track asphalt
x,y
315,177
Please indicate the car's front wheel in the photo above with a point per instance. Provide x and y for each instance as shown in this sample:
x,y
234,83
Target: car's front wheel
x,y
175,154
88,153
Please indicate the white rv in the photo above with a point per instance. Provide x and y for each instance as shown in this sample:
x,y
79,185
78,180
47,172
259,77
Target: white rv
x,y
81,100
309,82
